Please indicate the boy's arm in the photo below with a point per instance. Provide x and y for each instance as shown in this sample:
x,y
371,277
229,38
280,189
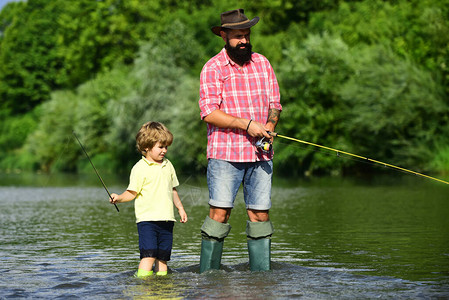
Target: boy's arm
x,y
177,202
124,197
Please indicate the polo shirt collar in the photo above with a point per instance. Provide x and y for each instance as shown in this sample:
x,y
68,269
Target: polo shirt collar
x,y
151,163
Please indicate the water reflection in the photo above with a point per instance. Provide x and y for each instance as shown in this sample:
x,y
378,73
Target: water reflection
x,y
155,287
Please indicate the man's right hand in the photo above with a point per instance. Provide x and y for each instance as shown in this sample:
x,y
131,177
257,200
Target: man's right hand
x,y
256,129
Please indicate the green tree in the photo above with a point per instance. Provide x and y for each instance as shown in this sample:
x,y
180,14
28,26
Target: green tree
x,y
165,91
107,111
28,58
48,144
95,35
309,77
417,30
48,45
105,67
397,109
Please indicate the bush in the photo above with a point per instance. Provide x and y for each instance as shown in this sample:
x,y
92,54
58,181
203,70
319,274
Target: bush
x,y
49,142
309,78
165,91
397,108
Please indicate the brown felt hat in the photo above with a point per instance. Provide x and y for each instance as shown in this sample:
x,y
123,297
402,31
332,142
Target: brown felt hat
x,y
234,19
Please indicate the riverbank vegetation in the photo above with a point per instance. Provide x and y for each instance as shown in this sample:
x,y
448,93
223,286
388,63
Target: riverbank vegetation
x,y
368,77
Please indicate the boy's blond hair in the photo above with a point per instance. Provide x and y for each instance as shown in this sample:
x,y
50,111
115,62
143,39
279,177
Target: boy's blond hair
x,y
150,133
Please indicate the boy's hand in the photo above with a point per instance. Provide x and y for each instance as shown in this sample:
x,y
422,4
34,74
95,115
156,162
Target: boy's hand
x,y
183,215
124,197
114,198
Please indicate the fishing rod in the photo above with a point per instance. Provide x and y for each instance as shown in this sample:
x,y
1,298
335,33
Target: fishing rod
x,y
357,156
95,169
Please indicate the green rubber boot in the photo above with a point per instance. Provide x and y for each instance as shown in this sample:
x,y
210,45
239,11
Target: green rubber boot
x,y
213,234
211,252
259,254
259,245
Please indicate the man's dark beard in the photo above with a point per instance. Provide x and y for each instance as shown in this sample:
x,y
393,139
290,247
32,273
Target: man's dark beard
x,y
239,56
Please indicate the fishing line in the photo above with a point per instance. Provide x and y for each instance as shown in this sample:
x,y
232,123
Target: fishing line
x,y
362,158
95,169
328,154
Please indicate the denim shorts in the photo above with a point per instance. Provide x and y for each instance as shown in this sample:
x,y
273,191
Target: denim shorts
x,y
224,179
155,239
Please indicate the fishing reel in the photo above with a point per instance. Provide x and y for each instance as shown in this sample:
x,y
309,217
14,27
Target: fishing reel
x,y
264,145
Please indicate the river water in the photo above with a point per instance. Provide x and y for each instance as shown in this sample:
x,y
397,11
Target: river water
x,y
334,238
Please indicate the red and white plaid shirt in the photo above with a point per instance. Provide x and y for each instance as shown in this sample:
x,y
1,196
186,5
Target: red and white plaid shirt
x,y
246,92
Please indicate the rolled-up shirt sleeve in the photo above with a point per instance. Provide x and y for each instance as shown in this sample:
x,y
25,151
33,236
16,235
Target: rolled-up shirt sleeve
x,y
274,95
211,86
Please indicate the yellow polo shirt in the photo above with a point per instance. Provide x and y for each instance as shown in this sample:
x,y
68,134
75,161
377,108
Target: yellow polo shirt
x,y
154,185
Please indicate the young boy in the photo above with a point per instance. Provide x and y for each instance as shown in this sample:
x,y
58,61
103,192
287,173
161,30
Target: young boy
x,y
153,184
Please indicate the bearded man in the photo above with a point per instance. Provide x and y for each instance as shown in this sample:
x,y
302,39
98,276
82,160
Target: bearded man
x,y
240,102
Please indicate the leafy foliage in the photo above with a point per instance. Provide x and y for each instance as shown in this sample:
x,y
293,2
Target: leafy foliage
x,y
49,140
368,77
310,78
396,108
416,30
28,57
106,112
164,91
